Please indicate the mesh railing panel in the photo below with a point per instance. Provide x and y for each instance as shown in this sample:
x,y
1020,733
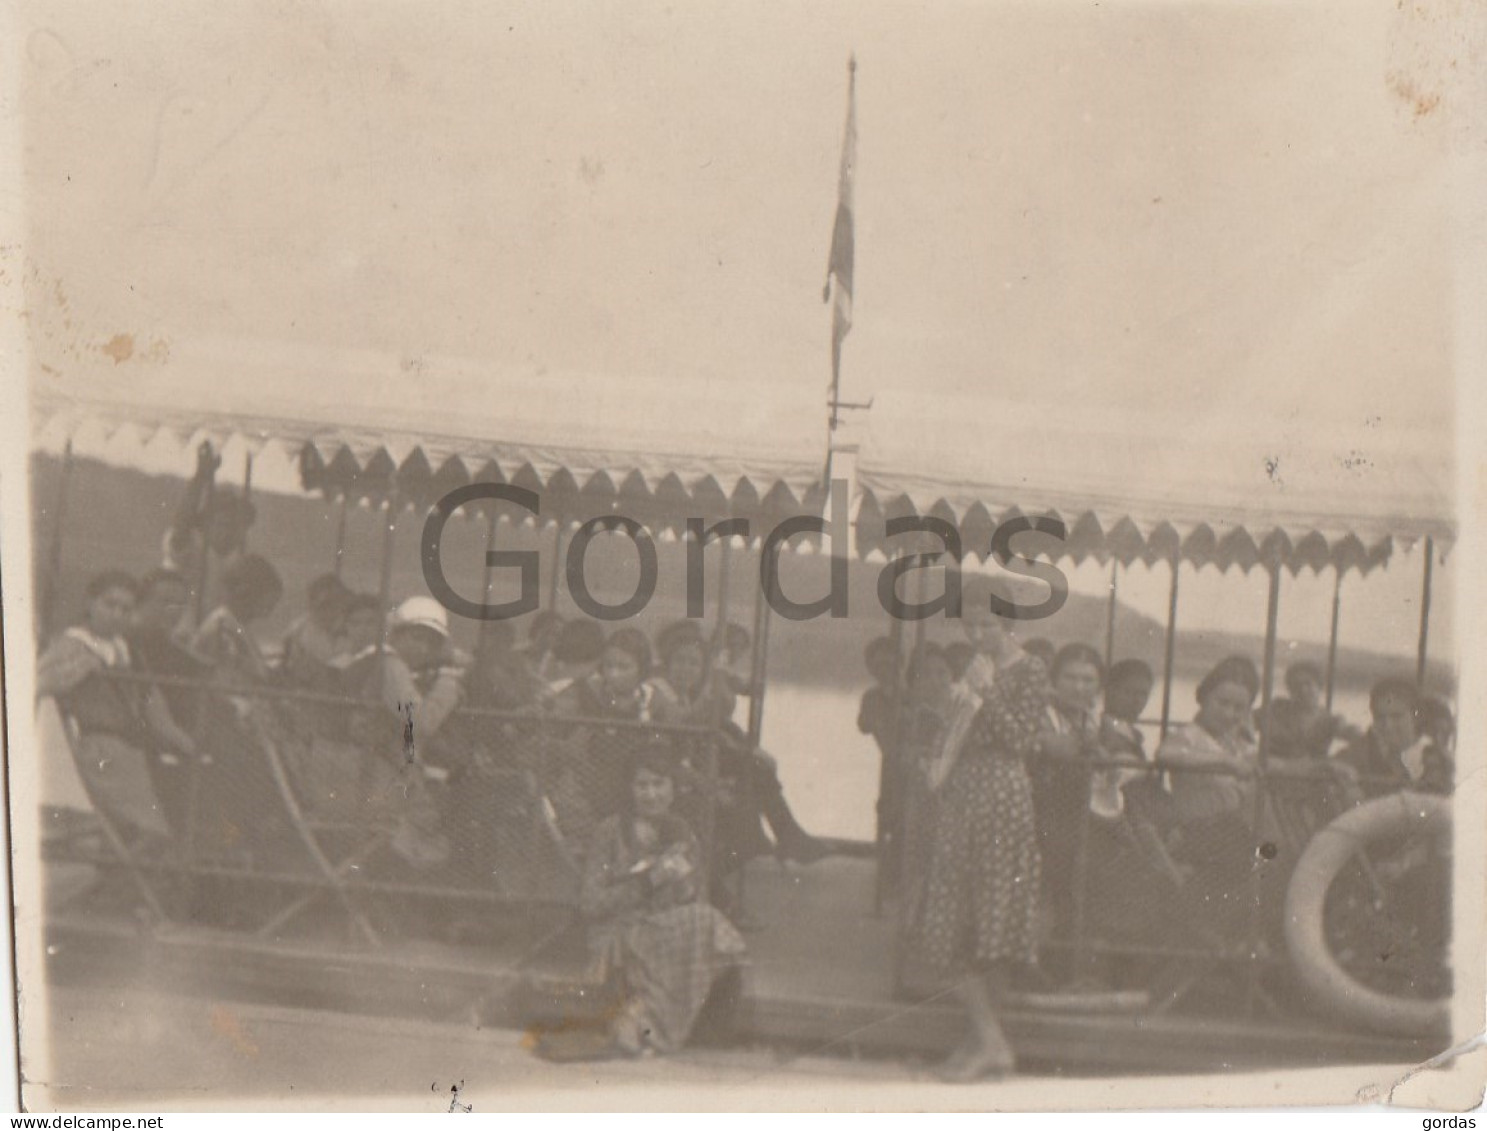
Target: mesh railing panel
x,y
302,790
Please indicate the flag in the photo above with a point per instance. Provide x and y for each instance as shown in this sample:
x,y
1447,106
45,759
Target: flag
x,y
839,265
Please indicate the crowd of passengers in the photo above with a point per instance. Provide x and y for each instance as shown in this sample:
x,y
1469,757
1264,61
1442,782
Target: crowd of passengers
x,y
1014,766
1021,781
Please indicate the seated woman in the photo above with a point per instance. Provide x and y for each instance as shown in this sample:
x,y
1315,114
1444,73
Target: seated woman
x,y
251,590
652,935
690,691
416,684
314,639
242,817
154,650
1300,726
616,691
1213,805
116,722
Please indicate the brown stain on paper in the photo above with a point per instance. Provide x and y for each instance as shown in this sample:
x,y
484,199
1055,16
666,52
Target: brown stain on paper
x,y
225,1023
1421,101
120,347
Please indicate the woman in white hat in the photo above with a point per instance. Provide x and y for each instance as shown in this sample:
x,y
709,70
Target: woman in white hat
x,y
414,680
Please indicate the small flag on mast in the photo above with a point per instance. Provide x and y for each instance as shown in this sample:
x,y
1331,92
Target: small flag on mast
x,y
839,265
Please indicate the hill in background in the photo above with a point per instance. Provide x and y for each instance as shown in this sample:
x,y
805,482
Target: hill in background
x,y
115,519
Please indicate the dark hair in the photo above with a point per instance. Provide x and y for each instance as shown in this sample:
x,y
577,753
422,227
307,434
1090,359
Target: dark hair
x,y
578,642
1123,670
327,587
543,621
226,502
677,635
158,577
1301,668
252,578
1393,687
877,646
1075,653
360,601
496,636
959,655
101,583
1432,712
632,642
655,754
1044,650
923,656
1231,669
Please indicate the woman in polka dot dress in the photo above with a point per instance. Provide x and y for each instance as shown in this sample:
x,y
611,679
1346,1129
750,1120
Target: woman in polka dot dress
x,y
980,911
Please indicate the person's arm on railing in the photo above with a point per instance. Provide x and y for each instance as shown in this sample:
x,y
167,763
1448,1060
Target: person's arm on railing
x,y
163,725
63,666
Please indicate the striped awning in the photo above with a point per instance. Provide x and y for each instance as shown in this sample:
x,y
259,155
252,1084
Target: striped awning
x,y
1149,487
367,427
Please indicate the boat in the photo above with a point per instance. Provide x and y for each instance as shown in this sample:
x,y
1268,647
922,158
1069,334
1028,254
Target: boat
x,y
333,921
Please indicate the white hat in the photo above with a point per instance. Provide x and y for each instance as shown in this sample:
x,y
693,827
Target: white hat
x,y
424,612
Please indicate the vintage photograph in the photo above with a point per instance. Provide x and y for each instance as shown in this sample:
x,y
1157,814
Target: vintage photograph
x,y
861,556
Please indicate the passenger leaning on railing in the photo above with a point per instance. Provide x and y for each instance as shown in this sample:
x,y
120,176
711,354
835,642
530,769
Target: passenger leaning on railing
x,y
314,639
1213,786
156,650
251,590
1300,727
617,691
114,721
1078,782
690,691
1395,755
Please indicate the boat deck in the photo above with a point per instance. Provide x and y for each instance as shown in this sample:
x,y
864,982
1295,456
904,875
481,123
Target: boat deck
x,y
821,982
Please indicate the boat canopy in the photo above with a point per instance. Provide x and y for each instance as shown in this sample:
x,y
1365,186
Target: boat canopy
x,y
1130,487
1154,486
658,451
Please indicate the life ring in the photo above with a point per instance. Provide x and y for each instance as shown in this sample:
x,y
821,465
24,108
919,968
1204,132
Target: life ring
x,y
1329,851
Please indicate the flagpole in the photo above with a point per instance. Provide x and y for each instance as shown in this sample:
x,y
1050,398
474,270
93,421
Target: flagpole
x,y
838,287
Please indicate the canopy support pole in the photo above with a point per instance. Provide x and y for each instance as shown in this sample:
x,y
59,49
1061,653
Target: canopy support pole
x,y
1110,614
247,490
1332,637
1262,784
759,668
885,842
1170,654
720,632
557,566
919,625
203,567
54,550
488,582
384,582
341,534
1424,652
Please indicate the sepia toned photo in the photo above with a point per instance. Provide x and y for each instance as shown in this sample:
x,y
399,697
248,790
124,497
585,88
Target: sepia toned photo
x,y
845,556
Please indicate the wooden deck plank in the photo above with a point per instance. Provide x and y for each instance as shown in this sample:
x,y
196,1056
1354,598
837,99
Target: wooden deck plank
x,y
821,982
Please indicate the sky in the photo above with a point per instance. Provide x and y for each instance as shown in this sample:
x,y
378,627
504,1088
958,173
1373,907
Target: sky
x,y
1238,211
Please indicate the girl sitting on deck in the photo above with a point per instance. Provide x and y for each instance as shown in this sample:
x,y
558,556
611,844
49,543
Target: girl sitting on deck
x,y
652,935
